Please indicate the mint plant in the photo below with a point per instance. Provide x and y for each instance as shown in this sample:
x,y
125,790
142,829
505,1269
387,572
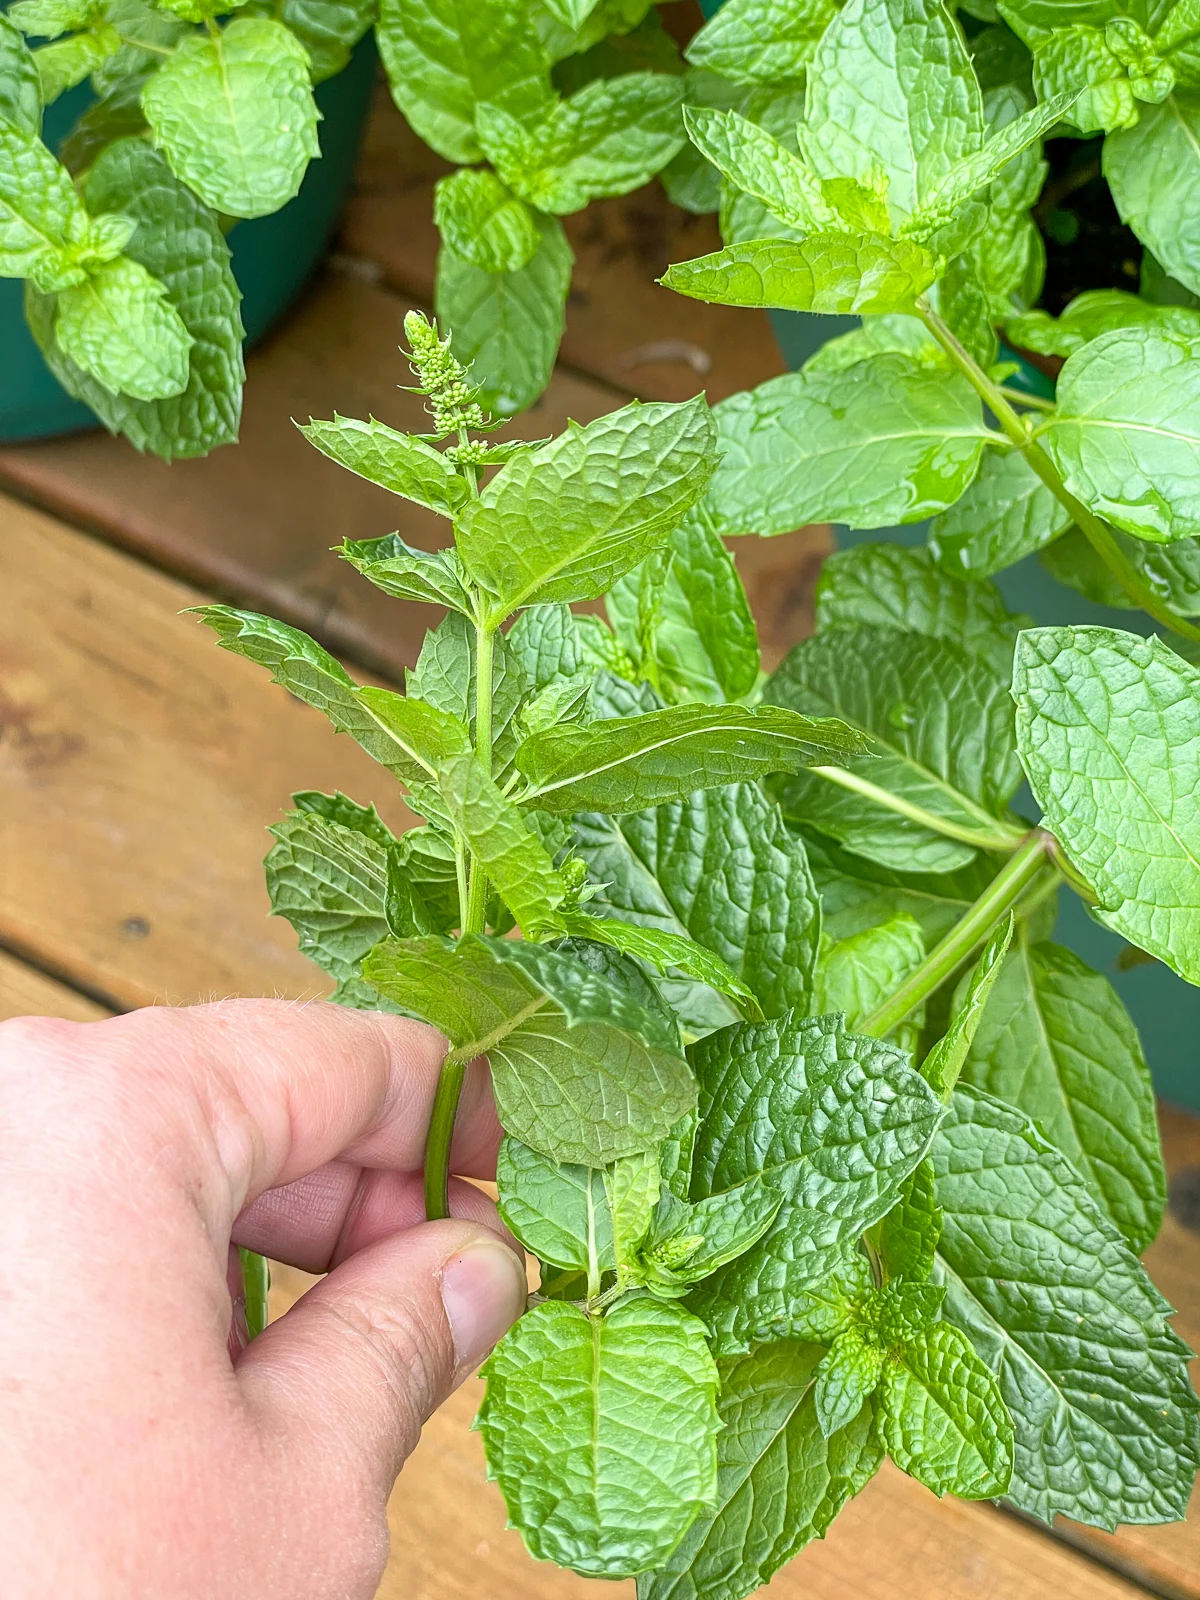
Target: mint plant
x,y
826,1152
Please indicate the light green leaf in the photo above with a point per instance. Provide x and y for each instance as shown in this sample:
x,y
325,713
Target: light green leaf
x,y
941,1067
428,736
1108,727
20,87
666,953
780,1483
689,1242
720,868
1057,1042
571,13
1126,436
632,1185
1089,315
1153,170
826,272
1006,513
879,68
942,1418
942,746
330,882
962,302
833,1122
891,334
179,241
846,1379
610,137
121,328
69,61
339,808
235,116
629,763
589,1494
581,1070
49,18
1171,570
483,222
857,973
1074,55
396,568
757,163
1008,253
885,441
907,1237
761,41
328,30
561,1213
397,461
40,213
564,522
505,848
894,586
1059,1307
446,673
444,56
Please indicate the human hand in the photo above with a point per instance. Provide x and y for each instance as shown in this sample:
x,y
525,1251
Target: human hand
x,y
137,1459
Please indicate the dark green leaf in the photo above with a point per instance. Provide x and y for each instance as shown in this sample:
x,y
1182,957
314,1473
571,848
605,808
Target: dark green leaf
x,y
944,1063
907,1237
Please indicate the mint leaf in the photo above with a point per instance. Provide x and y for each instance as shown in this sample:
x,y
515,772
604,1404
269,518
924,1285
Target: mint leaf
x,y
629,763
1126,435
857,973
330,882
445,675
632,1185
20,89
501,841
883,442
1005,514
1008,253
581,1070
894,586
545,640
339,808
780,1483
328,30
560,1213
942,1066
907,1237
826,272
833,1122
1089,315
689,1242
395,567
1062,1311
120,327
1057,1042
397,461
666,953
443,56
941,741
1153,171
720,868
483,222
40,213
857,893
761,41
233,113
846,1378
565,521
427,735
942,1417
592,1496
1109,731
754,161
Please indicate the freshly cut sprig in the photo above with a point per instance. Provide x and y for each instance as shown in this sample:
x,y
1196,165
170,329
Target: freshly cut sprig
x,y
763,1129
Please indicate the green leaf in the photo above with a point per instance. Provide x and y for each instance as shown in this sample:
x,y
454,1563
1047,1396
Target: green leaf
x,y
545,639
428,736
395,567
69,61
1153,170
780,1483
1126,435
1089,315
883,442
179,241
581,1070
754,161
121,328
339,808
1008,252
445,675
504,847
720,868
907,1237
893,586
629,763
1062,1311
1108,727
666,953
942,1066
689,1242
833,1122
846,1379
330,882
879,67
507,326
397,461
571,13
941,746
40,213
761,41
1057,1042
561,1213
962,302
590,1495
1006,513
1076,55
564,522
943,1419
483,222
444,56
20,88
857,973
857,893
328,30
632,1185
1171,570
234,114
826,272
610,137
48,18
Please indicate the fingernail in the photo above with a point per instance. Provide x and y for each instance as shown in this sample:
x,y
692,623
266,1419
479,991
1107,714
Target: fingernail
x,y
483,1291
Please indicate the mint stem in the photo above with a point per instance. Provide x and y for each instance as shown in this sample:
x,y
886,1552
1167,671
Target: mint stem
x,y
256,1281
993,905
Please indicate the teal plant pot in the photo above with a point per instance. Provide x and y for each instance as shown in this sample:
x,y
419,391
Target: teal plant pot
x,y
273,257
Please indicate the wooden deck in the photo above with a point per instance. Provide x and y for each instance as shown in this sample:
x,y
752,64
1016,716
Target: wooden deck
x,y
139,766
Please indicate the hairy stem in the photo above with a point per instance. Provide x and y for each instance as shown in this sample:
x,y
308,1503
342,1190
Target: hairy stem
x,y
1096,531
484,648
996,901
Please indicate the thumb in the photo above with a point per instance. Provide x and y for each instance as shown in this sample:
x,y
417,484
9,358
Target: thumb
x,y
346,1379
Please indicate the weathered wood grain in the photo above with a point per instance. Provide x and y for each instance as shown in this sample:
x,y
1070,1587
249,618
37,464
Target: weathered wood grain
x,y
26,992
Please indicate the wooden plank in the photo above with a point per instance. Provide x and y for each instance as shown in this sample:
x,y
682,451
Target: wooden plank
x,y
26,992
